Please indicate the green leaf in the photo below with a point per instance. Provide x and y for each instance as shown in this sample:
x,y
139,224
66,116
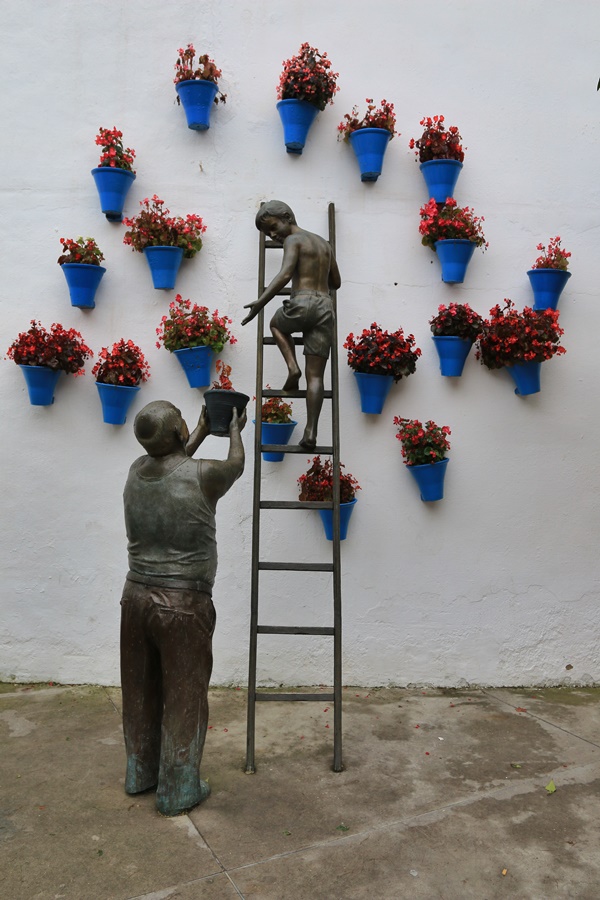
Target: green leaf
x,y
342,827
550,787
516,766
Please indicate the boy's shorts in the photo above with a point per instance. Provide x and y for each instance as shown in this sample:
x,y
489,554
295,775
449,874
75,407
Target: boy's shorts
x,y
310,312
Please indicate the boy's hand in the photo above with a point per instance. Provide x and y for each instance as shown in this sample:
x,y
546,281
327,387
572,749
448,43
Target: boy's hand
x,y
254,308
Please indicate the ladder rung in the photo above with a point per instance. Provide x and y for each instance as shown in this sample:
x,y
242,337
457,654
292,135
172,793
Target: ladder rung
x,y
270,243
284,292
270,342
323,698
295,567
295,448
268,392
296,504
291,629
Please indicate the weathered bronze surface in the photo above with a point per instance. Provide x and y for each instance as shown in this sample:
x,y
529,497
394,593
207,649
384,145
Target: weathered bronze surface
x,y
167,615
309,263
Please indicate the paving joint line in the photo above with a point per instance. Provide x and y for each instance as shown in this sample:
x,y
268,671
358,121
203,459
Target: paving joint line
x,y
546,721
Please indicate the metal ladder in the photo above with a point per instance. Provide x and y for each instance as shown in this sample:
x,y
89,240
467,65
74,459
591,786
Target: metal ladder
x,y
261,565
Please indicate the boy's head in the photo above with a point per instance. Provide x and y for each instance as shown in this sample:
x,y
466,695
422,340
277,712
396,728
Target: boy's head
x,y
274,209
159,428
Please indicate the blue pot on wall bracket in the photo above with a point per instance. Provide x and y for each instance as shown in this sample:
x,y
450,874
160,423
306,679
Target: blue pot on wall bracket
x,y
370,145
440,177
296,117
430,479
196,363
452,352
547,286
116,400
526,376
276,433
454,256
83,280
373,391
197,97
40,381
113,185
164,265
346,510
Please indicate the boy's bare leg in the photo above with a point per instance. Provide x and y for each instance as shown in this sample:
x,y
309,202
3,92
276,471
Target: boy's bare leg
x,y
288,351
315,371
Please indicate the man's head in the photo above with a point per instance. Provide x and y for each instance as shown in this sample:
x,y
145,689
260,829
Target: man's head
x,y
274,209
160,429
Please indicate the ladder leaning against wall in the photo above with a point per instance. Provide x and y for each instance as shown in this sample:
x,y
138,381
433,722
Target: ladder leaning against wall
x,y
261,564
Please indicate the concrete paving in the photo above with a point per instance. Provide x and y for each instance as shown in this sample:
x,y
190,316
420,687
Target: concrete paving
x,y
444,795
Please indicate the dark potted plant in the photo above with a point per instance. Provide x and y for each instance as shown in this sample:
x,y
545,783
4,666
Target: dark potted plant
x,y
369,136
80,262
306,86
441,155
454,330
379,358
197,87
114,174
163,239
193,335
42,355
277,426
424,449
119,373
316,486
453,233
520,342
221,399
548,274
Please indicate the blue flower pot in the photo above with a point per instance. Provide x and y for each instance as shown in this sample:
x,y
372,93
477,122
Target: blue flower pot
x,y
164,265
547,286
83,280
430,479
296,117
526,376
373,391
40,381
116,400
453,352
440,177
275,433
327,520
196,363
454,256
219,406
370,145
113,186
197,97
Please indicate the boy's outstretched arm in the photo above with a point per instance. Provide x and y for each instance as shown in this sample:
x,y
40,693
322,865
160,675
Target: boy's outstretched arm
x,y
291,249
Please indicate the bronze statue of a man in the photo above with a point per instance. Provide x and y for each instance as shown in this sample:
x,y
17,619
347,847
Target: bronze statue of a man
x,y
167,615
310,264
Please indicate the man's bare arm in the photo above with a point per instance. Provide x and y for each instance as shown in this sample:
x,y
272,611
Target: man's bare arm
x,y
220,475
201,431
291,251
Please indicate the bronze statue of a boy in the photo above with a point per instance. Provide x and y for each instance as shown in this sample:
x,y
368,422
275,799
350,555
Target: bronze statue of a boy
x,y
167,615
310,264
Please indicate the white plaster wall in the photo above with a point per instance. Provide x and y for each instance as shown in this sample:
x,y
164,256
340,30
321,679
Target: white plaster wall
x,y
497,584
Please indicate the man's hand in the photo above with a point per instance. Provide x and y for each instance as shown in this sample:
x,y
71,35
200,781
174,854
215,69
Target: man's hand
x,y
238,423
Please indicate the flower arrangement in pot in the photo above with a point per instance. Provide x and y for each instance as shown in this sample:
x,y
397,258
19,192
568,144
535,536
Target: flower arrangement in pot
x,y
441,155
80,262
114,174
306,85
453,232
42,355
379,358
316,486
221,399
163,239
197,86
119,373
424,449
193,334
369,136
520,342
454,330
277,426
548,274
